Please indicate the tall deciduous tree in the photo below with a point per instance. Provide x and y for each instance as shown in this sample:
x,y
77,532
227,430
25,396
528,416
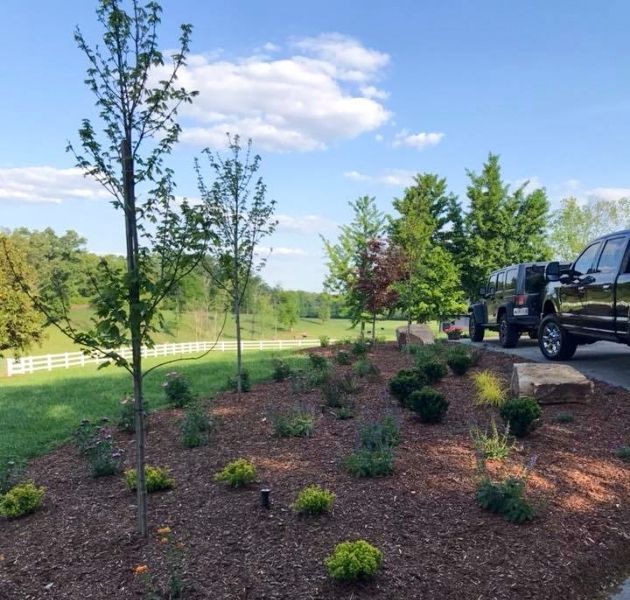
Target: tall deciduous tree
x,y
288,309
346,255
236,204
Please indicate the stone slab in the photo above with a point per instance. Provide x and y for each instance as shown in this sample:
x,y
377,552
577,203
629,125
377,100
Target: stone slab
x,y
551,383
419,334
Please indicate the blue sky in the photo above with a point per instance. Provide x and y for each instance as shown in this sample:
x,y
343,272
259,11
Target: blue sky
x,y
342,100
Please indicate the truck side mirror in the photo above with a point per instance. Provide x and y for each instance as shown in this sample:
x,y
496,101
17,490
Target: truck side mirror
x,y
483,291
552,271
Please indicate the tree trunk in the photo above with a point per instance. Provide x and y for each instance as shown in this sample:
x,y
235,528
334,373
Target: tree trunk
x,y
135,319
239,385
373,327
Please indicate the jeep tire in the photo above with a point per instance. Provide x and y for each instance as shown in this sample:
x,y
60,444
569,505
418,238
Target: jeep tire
x,y
475,330
508,334
555,342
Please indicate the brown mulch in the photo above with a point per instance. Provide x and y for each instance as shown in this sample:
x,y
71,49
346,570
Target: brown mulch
x,y
436,542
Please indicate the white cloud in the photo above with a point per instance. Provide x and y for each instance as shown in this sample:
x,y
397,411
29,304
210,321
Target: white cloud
x,y
280,251
393,177
305,224
45,184
610,194
530,183
304,101
416,140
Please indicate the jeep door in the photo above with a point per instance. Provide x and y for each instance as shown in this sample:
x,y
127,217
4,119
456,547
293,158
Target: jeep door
x,y
598,314
494,296
572,294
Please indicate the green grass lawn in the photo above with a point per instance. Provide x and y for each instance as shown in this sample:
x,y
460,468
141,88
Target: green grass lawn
x,y
39,411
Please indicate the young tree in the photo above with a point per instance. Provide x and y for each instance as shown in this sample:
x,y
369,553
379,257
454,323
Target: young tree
x,y
344,257
323,309
288,310
236,204
165,239
20,324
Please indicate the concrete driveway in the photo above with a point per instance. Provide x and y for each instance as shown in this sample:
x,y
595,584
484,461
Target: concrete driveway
x,y
603,360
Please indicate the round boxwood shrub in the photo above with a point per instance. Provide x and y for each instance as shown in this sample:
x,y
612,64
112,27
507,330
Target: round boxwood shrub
x,y
177,390
404,383
351,561
155,478
22,499
238,473
313,500
459,362
429,404
433,369
343,357
521,415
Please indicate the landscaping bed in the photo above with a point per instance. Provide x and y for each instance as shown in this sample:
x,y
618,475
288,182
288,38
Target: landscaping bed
x,y
435,540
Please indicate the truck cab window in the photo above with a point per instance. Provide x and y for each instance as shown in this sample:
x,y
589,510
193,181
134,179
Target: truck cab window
x,y
584,264
612,255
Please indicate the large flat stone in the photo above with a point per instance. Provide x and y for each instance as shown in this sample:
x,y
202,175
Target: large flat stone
x,y
551,383
419,334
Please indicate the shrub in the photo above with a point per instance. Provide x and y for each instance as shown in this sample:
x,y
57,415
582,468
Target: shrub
x,y
155,478
506,498
11,473
313,500
343,413
364,367
281,369
488,388
336,388
342,357
318,362
295,423
301,382
404,383
429,405
564,417
96,443
521,415
623,453
370,463
246,384
195,427
360,347
351,561
459,362
22,499
238,473
126,415
433,370
177,390
382,434
427,352
324,341
492,445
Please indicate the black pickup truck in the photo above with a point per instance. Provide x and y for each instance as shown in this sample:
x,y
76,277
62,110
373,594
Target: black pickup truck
x,y
589,301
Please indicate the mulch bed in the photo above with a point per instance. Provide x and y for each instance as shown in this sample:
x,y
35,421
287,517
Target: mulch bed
x,y
436,542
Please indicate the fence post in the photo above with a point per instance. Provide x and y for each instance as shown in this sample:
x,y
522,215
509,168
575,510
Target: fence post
x,y
9,367
50,362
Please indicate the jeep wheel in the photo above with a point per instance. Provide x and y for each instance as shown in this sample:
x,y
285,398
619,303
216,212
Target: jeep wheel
x,y
508,334
554,341
475,330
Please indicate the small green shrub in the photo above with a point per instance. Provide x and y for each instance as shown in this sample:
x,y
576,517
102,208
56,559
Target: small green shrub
x,y
506,498
295,423
195,427
246,384
313,500
126,420
426,352
489,389
429,405
343,413
491,445
623,453
342,357
324,341
22,499
96,443
433,370
281,369
370,463
11,473
521,414
459,362
238,473
352,561
404,383
155,478
364,367
381,434
318,362
564,417
336,388
360,347
301,382
177,390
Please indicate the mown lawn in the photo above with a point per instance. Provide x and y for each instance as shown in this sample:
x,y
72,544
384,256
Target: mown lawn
x,y
39,411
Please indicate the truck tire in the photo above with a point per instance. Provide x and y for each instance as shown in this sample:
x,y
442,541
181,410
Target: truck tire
x,y
475,330
554,341
508,334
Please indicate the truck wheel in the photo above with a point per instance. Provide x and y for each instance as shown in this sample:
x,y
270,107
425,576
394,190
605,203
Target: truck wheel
x,y
508,334
554,341
475,330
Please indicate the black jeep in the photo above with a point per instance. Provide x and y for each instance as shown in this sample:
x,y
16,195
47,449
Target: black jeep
x,y
510,303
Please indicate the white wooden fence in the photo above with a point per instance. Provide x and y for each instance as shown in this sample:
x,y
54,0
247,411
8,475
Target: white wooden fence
x,y
48,362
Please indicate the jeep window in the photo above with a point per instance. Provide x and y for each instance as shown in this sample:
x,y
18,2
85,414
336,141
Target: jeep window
x,y
612,254
492,285
510,279
501,281
584,263
534,278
